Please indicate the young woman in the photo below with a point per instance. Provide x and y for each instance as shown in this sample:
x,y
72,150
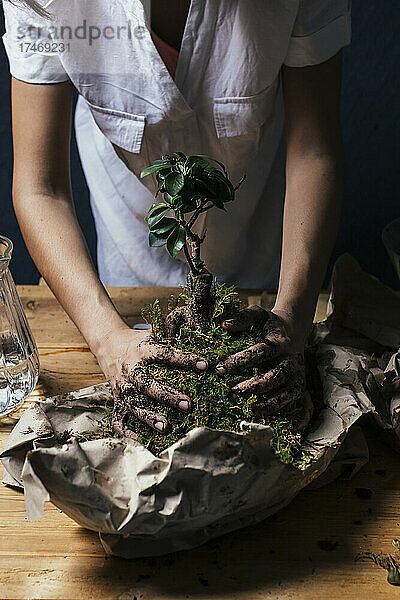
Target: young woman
x,y
254,84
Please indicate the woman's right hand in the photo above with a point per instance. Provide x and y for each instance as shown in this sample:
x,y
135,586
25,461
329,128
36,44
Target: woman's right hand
x,y
123,356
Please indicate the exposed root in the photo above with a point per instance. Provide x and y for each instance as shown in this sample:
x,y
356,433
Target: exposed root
x,y
385,561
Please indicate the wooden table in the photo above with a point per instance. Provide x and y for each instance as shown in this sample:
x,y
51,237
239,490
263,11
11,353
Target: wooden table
x,y
305,552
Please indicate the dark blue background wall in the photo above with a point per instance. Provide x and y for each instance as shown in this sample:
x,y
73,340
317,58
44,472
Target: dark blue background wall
x,y
371,119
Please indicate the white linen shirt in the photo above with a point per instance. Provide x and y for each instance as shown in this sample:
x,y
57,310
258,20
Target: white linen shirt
x,y
225,102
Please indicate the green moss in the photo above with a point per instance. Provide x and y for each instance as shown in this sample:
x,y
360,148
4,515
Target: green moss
x,y
214,405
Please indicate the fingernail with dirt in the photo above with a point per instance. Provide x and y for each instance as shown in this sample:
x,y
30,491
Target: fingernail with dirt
x,y
160,426
220,370
201,365
228,323
184,405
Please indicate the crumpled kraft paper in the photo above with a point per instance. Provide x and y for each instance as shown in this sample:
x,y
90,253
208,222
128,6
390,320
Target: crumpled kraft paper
x,y
212,482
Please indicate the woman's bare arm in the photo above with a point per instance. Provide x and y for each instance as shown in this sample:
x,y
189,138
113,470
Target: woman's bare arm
x,y
314,179
312,209
41,118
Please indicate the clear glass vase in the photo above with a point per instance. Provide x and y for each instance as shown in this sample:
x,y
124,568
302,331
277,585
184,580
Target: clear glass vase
x,y
19,361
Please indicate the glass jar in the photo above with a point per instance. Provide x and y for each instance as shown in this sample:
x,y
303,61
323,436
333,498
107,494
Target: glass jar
x,y
19,361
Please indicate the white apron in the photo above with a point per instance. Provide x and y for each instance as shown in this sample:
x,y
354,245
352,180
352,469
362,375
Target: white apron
x,y
225,102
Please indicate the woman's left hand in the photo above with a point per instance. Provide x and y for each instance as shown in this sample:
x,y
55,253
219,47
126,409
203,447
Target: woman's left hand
x,y
278,354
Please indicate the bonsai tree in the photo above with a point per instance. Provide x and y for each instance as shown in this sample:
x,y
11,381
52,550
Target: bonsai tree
x,y
189,185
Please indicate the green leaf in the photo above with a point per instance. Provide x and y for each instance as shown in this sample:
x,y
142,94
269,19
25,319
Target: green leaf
x,y
156,208
149,170
176,201
176,240
153,207
164,226
213,160
174,183
168,198
216,176
156,241
156,215
179,155
198,161
157,165
225,191
207,186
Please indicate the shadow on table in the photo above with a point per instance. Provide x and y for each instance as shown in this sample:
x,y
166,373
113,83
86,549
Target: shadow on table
x,y
320,530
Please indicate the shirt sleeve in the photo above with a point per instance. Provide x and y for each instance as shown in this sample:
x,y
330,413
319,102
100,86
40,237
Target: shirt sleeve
x,y
321,29
31,51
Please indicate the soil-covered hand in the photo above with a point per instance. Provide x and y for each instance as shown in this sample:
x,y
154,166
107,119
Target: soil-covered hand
x,y
277,354
124,358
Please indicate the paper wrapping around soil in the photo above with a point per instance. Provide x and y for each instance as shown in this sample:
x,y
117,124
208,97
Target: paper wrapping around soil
x,y
212,482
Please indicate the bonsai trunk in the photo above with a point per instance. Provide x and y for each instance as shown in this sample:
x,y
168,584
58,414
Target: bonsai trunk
x,y
199,280
198,312
201,303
